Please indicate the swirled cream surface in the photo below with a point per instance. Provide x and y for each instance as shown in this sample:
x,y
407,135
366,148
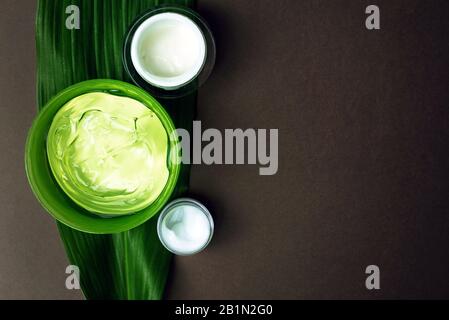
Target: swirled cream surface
x,y
108,153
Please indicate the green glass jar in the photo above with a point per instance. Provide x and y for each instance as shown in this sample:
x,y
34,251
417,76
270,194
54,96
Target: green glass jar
x,y
47,187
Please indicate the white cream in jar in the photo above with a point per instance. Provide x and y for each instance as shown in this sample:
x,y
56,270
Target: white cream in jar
x,y
168,50
185,227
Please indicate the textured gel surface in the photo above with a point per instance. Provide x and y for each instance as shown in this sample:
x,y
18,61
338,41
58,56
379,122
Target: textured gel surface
x,y
108,153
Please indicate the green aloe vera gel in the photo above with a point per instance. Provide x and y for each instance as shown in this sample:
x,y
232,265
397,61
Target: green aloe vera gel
x,y
108,153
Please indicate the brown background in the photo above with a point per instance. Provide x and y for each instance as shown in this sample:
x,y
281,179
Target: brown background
x,y
363,171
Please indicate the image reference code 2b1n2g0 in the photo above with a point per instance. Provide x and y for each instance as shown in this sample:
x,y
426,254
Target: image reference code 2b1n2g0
x,y
245,309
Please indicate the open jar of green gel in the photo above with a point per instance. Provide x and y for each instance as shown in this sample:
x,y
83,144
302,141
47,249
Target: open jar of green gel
x,y
101,157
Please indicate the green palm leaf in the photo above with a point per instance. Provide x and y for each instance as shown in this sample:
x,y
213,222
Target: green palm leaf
x,y
132,264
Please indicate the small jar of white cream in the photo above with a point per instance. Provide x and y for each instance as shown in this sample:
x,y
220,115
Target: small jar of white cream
x,y
169,51
185,227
